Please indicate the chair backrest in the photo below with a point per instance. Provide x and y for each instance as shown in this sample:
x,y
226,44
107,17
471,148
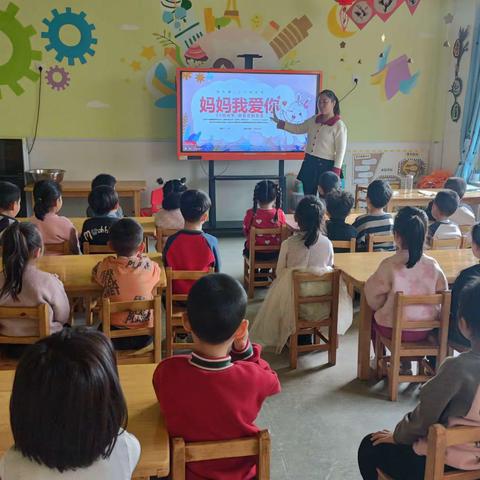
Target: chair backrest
x,y
466,241
442,300
39,313
88,248
156,199
439,439
259,446
446,243
465,229
360,195
155,304
58,248
281,232
173,275
162,235
375,239
350,245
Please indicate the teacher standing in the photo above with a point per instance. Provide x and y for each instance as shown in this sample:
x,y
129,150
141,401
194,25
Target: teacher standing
x,y
326,141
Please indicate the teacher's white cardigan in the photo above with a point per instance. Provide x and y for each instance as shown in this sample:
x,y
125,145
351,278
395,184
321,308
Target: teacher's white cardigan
x,y
324,140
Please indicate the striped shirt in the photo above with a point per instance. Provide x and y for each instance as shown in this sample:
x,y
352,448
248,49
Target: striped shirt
x,y
378,224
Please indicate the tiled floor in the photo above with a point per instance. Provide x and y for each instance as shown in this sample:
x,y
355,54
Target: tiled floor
x,y
321,415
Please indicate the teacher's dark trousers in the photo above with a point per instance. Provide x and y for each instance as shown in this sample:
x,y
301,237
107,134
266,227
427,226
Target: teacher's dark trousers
x,y
310,172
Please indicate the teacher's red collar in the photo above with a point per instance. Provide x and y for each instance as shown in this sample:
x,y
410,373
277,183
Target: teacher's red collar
x,y
330,122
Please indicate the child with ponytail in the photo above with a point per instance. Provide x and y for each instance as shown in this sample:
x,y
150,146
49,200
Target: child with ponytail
x,y
170,216
266,213
23,284
409,271
307,250
54,229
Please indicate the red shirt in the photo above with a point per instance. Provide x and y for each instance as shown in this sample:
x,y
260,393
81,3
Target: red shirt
x,y
263,219
206,399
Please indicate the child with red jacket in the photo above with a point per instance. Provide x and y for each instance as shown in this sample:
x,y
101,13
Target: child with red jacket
x,y
216,392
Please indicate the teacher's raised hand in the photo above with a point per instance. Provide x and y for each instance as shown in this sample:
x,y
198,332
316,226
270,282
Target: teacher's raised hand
x,y
274,118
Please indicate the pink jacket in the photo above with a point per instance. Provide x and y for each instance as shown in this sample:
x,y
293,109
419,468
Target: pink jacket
x,y
392,276
37,287
56,229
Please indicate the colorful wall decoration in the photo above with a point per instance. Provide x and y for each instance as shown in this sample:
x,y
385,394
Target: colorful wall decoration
x,y
459,49
109,72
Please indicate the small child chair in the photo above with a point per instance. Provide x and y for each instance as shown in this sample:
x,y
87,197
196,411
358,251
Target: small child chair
x,y
156,199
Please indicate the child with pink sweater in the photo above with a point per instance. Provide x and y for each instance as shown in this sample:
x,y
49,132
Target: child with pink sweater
x,y
409,271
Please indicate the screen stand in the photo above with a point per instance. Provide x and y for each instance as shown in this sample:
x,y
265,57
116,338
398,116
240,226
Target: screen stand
x,y
234,228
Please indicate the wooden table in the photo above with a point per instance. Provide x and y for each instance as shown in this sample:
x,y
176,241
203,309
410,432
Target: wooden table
x,y
403,198
75,271
144,418
147,223
358,267
81,189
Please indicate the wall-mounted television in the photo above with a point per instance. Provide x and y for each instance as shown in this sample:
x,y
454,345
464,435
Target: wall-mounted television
x,y
225,114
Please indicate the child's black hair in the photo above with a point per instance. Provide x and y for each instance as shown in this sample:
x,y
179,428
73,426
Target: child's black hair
x,y
379,193
71,371
103,199
309,216
9,194
104,179
19,240
194,204
469,304
457,184
329,182
264,192
331,95
172,191
447,202
45,195
476,234
339,204
126,236
216,306
411,226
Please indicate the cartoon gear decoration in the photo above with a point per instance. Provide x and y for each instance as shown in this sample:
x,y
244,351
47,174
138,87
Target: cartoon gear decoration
x,y
18,66
71,52
60,84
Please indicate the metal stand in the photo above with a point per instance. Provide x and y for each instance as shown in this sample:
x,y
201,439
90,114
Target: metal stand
x,y
236,227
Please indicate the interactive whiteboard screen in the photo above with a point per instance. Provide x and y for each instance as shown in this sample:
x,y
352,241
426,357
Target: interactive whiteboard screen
x,y
225,114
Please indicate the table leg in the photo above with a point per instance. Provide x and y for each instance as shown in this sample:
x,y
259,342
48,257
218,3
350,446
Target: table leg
x,y
136,204
364,338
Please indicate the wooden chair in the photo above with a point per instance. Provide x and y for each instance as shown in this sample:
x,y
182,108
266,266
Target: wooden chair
x,y
88,248
175,313
351,244
439,439
39,313
321,342
415,351
375,239
360,195
252,274
162,235
259,446
57,248
144,355
447,243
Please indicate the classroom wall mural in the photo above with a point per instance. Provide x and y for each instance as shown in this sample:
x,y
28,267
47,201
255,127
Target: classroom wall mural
x,y
110,72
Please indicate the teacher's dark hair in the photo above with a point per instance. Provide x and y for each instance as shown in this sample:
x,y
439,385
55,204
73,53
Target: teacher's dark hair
x,y
309,216
411,226
331,95
67,407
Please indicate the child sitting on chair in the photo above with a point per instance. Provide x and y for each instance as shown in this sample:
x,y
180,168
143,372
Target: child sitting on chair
x,y
103,200
409,271
450,398
131,275
339,205
110,181
54,229
327,183
9,204
216,392
444,205
266,213
376,221
170,216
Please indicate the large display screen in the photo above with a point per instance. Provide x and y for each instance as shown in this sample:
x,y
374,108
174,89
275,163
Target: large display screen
x,y
226,114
